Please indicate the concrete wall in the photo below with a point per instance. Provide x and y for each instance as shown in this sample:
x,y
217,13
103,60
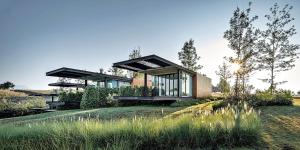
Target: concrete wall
x,y
202,86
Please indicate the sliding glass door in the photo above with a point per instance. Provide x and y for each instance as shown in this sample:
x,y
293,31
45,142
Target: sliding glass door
x,y
168,84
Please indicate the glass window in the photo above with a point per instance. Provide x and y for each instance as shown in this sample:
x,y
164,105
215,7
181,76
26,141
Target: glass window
x,y
167,85
162,86
123,84
183,84
171,85
186,84
190,86
187,88
175,88
155,86
100,84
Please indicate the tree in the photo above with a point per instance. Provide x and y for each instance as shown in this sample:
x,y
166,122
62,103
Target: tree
x,y
135,53
224,75
116,71
7,85
276,53
188,56
242,38
101,70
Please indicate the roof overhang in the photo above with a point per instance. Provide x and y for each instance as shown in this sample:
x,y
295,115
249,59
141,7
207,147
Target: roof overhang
x,y
64,84
152,65
84,75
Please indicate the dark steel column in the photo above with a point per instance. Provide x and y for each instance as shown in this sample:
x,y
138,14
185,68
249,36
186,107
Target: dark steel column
x,y
105,82
145,84
85,83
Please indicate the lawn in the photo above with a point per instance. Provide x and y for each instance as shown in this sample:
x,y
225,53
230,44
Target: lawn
x,y
101,113
281,126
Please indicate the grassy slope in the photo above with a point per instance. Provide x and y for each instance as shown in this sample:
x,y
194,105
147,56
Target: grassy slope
x,y
281,126
101,113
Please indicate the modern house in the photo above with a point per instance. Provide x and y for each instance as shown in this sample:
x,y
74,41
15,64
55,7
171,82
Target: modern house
x,y
167,80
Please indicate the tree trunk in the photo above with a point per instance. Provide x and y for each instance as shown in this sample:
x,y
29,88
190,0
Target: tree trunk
x,y
236,89
272,80
243,87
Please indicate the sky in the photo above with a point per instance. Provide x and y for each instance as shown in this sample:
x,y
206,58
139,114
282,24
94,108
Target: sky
x,y
37,36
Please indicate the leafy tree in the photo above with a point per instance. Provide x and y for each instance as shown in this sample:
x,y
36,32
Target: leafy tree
x,y
116,71
276,53
224,75
7,85
242,38
188,56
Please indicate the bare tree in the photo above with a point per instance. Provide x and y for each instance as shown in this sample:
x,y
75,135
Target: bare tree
x,y
116,71
224,75
135,53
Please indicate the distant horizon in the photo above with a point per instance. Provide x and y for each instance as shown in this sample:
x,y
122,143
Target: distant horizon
x,y
40,36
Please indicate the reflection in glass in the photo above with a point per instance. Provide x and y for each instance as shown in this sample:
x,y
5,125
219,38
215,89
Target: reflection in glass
x,y
175,85
167,85
171,85
162,86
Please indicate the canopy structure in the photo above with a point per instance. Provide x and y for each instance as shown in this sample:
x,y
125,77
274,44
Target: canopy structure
x,y
152,64
84,75
65,84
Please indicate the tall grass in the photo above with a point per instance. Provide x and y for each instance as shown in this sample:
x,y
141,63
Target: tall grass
x,y
229,127
9,93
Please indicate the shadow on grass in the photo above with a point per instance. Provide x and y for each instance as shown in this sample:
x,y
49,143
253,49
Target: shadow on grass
x,y
281,126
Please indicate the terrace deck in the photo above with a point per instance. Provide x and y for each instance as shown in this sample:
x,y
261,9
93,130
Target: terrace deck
x,y
150,98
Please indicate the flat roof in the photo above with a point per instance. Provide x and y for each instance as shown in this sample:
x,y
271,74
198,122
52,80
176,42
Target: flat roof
x,y
85,75
151,64
64,84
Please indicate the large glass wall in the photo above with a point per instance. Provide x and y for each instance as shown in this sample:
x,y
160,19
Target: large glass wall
x,y
168,84
112,84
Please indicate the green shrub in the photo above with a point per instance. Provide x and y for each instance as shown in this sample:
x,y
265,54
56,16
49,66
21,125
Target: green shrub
x,y
220,104
95,97
227,127
265,98
131,91
70,96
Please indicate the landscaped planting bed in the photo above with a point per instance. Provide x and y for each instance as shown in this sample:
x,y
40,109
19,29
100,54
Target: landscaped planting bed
x,y
17,104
